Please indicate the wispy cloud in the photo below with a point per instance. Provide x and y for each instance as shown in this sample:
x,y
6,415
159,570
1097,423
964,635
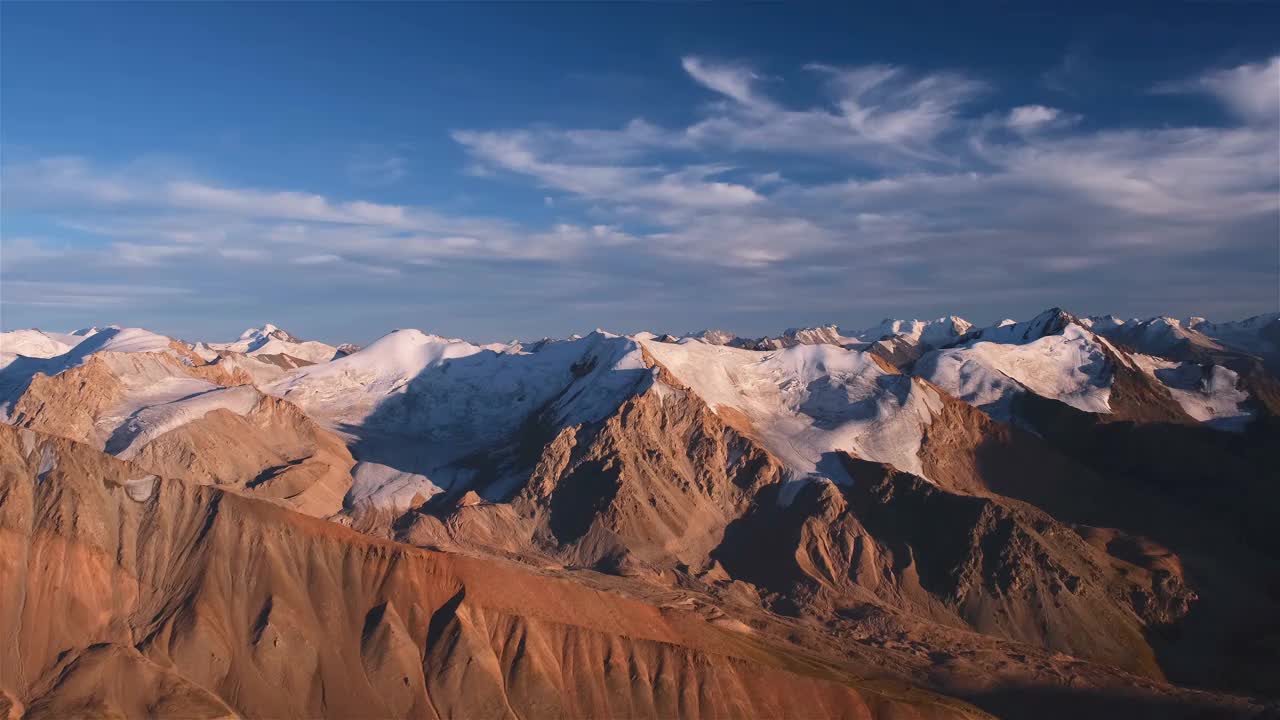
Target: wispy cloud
x,y
521,152
42,293
1251,91
1072,74
1029,118
374,165
733,81
156,220
891,186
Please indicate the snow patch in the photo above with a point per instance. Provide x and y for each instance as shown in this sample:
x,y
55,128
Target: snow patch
x,y
36,343
1210,394
383,486
420,403
1071,367
140,489
152,421
807,402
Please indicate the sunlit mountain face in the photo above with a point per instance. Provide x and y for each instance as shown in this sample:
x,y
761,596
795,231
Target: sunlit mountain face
x,y
1062,489
639,361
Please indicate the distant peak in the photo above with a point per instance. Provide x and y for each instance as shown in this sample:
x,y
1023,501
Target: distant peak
x,y
345,349
1053,321
714,336
267,330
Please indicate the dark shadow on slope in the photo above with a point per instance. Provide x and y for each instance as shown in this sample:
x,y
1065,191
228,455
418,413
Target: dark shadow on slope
x,y
580,496
465,417
1060,703
17,375
828,403
1210,497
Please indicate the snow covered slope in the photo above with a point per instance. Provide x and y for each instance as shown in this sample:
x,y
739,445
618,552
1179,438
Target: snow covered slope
x,y
271,340
711,336
423,384
1162,336
926,333
144,418
1050,355
1259,335
1208,393
807,401
36,343
1193,337
415,404
16,374
1056,356
123,377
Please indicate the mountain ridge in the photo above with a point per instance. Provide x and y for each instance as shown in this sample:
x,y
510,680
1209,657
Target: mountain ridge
x,y
1027,504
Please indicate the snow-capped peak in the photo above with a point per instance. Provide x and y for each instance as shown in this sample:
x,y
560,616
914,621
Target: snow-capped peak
x,y
713,336
267,331
819,335
927,333
272,340
1102,323
1050,322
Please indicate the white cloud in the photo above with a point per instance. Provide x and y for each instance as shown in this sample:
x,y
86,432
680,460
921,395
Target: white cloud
x,y
291,205
885,105
733,81
128,253
15,251
522,153
316,259
1251,91
55,294
1030,117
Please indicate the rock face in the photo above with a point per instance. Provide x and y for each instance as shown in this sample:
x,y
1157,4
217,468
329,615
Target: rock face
x,y
649,489
198,603
999,567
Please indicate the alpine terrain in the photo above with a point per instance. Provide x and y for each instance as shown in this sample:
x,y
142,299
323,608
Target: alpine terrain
x,y
1055,517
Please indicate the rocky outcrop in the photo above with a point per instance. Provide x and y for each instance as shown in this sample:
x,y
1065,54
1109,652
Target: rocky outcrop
x,y
649,489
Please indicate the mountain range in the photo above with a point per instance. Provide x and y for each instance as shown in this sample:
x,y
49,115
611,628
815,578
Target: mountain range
x,y
1040,518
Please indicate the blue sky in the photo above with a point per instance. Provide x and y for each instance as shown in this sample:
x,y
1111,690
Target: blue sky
x,y
497,171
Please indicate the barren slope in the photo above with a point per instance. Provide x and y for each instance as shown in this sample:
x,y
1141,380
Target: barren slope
x,y
181,599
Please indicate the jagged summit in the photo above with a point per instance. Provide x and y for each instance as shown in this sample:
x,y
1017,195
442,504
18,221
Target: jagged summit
x,y
274,344
713,336
926,333
1050,322
268,330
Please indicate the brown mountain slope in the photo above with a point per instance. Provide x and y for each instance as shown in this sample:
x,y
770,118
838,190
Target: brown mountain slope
x,y
989,564
272,451
124,594
670,493
649,489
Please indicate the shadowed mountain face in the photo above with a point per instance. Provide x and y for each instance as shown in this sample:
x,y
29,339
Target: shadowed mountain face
x,y
1040,519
